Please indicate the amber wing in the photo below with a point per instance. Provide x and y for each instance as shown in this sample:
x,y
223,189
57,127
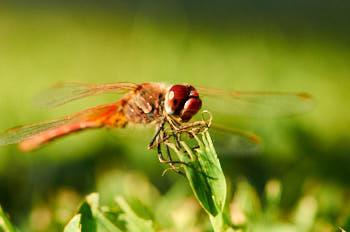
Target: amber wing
x,y
255,103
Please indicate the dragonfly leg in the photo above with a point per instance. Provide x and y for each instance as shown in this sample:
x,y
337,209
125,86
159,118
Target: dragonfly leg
x,y
171,162
172,122
159,142
197,127
160,128
164,161
177,142
160,137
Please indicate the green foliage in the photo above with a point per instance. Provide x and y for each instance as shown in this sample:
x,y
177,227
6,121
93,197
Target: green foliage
x,y
134,223
91,217
204,173
5,224
205,176
245,212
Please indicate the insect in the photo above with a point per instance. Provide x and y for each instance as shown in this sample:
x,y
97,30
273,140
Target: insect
x,y
155,104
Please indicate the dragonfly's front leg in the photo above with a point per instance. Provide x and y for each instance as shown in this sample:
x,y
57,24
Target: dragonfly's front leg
x,y
156,135
177,142
164,161
170,161
194,127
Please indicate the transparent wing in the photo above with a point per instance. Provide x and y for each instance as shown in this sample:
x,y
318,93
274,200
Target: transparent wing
x,y
255,103
236,142
87,118
63,93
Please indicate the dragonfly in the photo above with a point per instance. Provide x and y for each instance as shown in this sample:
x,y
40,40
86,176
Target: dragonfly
x,y
156,104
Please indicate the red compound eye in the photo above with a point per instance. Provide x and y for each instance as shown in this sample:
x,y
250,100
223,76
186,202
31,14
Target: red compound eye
x,y
191,107
175,99
183,101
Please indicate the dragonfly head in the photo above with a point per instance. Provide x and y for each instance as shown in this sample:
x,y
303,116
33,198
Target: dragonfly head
x,y
182,101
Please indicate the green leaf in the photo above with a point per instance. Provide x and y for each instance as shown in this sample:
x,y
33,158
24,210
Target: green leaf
x,y
134,222
74,224
5,224
92,218
88,221
204,173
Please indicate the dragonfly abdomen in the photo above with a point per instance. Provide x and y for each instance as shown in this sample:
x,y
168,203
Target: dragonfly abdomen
x,y
46,136
108,115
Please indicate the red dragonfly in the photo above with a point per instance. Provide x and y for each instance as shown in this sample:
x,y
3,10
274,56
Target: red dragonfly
x,y
148,103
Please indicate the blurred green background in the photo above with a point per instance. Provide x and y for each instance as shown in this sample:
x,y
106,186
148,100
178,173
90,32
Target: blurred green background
x,y
244,45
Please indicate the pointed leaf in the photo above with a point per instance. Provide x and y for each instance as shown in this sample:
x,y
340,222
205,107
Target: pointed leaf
x,y
93,218
204,173
134,222
74,224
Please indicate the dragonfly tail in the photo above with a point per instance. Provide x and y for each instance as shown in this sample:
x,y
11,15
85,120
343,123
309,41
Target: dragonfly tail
x,y
36,141
109,116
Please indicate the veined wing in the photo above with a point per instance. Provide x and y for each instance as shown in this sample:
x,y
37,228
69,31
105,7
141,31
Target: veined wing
x,y
33,135
62,93
236,142
256,103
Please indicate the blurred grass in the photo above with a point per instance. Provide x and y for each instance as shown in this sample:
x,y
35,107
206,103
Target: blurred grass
x,y
173,211
302,48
